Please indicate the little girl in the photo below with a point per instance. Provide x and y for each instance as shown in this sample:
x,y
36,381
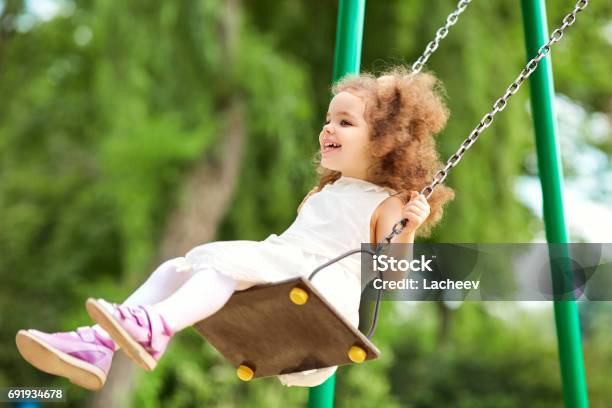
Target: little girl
x,y
376,150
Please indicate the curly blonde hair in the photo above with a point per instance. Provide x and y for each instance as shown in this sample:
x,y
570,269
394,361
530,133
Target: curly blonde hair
x,y
403,111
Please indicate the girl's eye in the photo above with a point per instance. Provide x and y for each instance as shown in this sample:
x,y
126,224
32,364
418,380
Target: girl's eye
x,y
343,121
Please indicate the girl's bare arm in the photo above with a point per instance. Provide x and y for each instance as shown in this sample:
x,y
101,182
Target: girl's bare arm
x,y
416,211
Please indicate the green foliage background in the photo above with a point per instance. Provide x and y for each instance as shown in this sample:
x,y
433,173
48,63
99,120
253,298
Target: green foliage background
x,y
106,107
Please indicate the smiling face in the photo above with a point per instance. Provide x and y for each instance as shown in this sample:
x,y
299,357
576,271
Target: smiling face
x,y
344,137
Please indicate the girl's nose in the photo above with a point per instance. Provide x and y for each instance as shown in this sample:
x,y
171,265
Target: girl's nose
x,y
328,128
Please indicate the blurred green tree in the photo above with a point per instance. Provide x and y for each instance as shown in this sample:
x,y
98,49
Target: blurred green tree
x,y
131,131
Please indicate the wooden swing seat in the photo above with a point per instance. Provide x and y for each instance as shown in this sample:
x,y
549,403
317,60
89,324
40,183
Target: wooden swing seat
x,y
281,328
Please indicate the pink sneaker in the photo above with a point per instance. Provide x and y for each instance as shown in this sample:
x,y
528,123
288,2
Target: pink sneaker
x,y
140,331
82,356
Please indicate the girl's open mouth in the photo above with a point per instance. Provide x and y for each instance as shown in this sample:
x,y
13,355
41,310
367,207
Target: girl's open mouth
x,y
330,147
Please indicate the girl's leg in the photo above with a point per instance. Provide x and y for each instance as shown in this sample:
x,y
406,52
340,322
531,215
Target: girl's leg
x,y
164,281
201,296
143,331
84,356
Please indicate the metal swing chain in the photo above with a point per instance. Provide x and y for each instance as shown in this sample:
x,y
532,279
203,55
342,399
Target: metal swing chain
x,y
441,33
498,106
485,122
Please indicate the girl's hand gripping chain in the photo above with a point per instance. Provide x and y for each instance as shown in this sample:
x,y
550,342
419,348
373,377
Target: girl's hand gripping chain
x,y
416,211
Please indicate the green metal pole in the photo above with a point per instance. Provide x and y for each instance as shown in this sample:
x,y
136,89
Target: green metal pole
x,y
347,60
349,34
551,178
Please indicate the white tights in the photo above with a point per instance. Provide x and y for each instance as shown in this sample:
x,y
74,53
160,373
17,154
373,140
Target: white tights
x,y
182,296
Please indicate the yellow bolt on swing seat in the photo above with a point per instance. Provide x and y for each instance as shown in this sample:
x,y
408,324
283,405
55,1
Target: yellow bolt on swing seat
x,y
245,373
357,354
298,296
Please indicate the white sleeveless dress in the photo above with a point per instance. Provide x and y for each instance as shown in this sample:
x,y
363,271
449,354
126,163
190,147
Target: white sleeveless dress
x,y
331,222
